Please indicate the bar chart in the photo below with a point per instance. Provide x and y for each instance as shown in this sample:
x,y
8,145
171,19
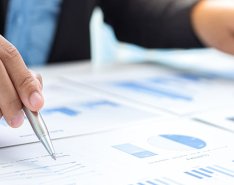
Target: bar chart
x,y
80,107
187,92
210,172
153,91
158,181
134,150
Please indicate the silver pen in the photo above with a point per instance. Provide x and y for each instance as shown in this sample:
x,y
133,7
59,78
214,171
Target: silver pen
x,y
40,130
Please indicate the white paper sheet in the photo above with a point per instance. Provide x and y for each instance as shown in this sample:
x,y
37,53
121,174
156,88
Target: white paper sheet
x,y
173,152
73,111
123,138
29,164
172,91
169,151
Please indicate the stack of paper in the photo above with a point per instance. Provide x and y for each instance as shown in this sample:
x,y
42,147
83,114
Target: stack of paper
x,y
138,125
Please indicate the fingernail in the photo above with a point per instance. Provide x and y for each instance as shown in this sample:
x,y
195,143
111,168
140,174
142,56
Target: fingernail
x,y
35,100
17,120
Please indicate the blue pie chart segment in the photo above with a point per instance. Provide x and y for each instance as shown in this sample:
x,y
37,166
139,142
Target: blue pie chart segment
x,y
176,142
186,140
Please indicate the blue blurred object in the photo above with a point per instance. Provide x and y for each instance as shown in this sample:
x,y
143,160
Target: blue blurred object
x,y
31,28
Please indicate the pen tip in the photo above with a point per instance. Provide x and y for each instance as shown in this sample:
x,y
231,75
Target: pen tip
x,y
53,156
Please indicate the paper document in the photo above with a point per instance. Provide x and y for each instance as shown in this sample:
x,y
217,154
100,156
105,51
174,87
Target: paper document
x,y
172,91
140,125
73,111
28,164
173,152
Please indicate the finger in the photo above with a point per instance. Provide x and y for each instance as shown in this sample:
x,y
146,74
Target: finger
x,y
226,43
38,77
27,87
10,103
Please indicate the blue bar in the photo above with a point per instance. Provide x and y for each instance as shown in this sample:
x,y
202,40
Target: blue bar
x,y
201,173
63,110
186,140
99,103
134,150
191,77
166,80
136,87
195,77
151,183
139,183
205,170
181,78
220,171
193,175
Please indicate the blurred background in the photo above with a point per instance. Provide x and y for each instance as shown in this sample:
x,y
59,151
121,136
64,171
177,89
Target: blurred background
x,y
106,50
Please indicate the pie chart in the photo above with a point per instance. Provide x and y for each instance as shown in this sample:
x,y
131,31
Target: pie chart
x,y
176,142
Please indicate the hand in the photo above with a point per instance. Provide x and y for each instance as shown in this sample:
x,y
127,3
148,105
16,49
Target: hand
x,y
213,21
18,85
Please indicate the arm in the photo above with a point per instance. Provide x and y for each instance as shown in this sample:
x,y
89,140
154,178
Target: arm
x,y
152,23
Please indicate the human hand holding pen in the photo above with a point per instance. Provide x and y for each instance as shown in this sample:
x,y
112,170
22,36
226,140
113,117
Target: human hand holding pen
x,y
19,86
21,89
